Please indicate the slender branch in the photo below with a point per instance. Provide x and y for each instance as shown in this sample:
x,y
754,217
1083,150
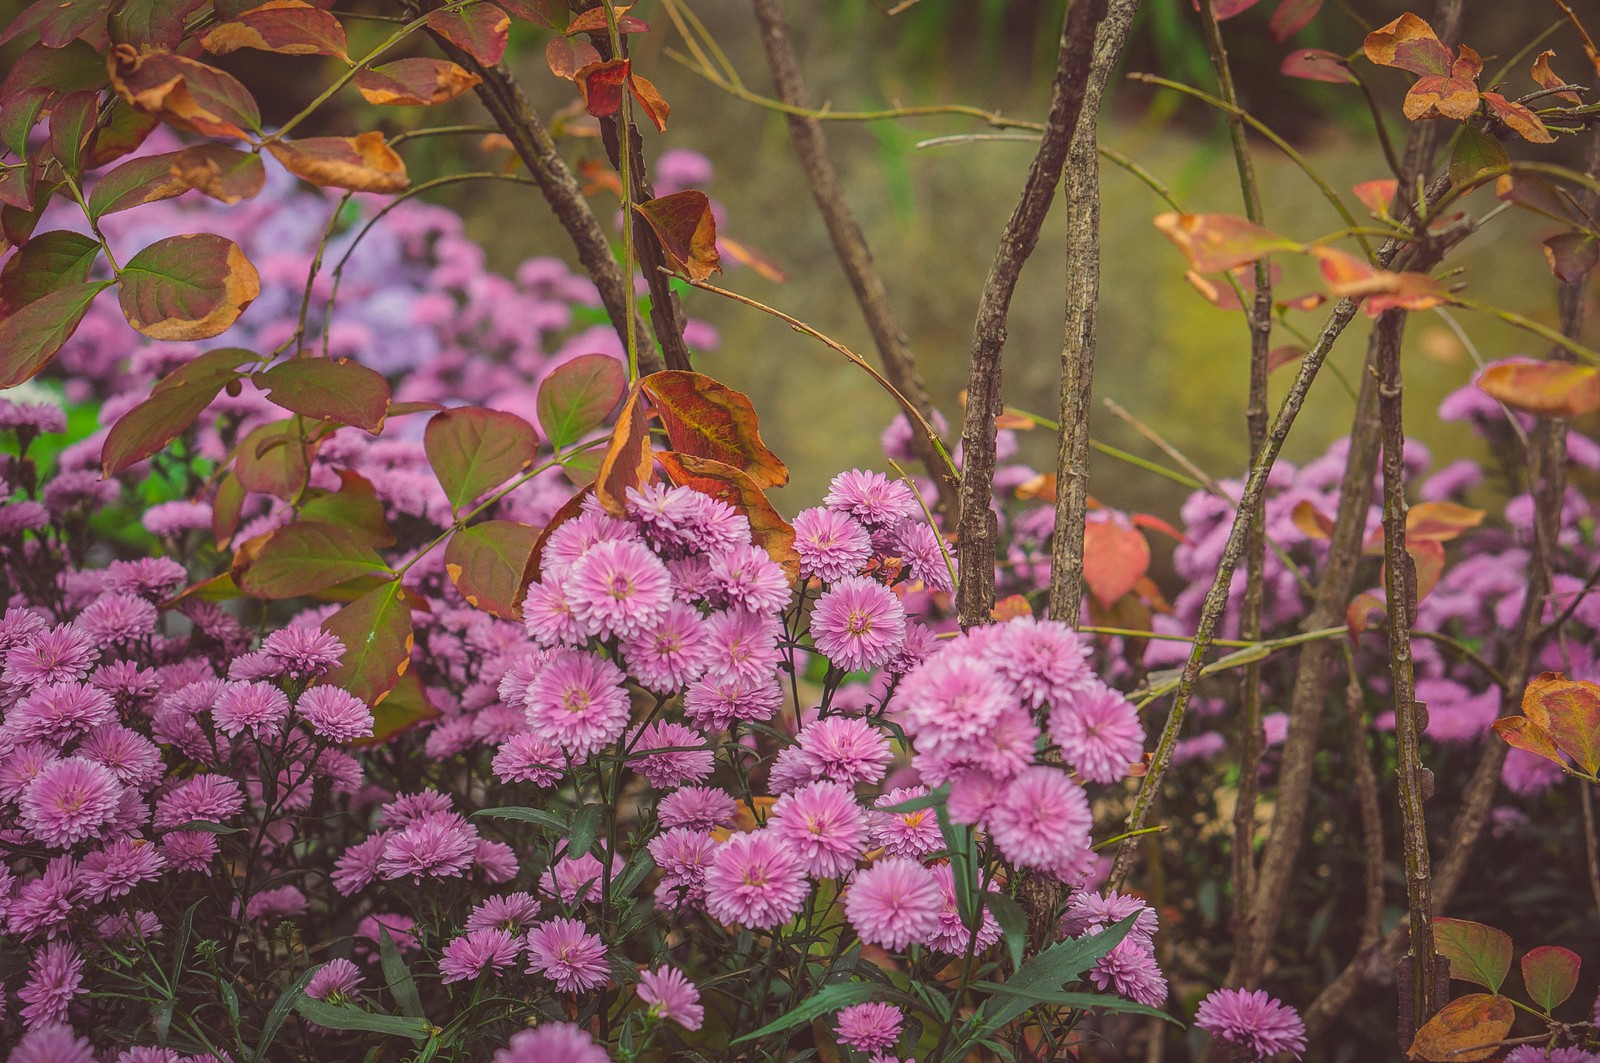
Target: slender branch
x,y
975,535
1082,182
1367,801
850,245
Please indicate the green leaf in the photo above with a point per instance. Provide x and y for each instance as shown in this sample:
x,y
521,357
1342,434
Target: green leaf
x,y
355,507
585,825
48,262
1551,974
523,814
1100,1001
937,796
18,115
473,449
488,563
274,460
154,23
377,634
1008,913
31,337
1050,970
398,975
302,558
578,396
1477,953
963,864
133,183
339,391
71,121
188,287
281,1008
176,402
406,706
828,998
345,1017
1474,153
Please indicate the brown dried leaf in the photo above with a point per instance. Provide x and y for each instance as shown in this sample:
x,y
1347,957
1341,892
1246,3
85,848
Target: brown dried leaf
x,y
287,27
1410,44
687,230
627,462
184,92
1524,122
363,163
480,30
1467,1029
1544,389
220,172
1549,79
416,82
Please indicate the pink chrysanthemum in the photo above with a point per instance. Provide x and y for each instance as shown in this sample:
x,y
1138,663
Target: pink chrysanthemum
x,y
1042,819
845,749
189,850
128,928
914,834
1130,970
665,515
564,952
1099,733
712,704
255,706
1046,659
118,617
683,854
440,845
951,936
669,995
132,758
117,868
755,880
578,702
478,952
716,525
669,654
919,644
22,764
872,498
336,982
951,699
870,1027
831,544
742,646
745,577
617,589
551,1042
1251,1020
357,867
701,807
547,614
1089,912
153,577
207,798
574,538
893,903
527,757
60,653
686,757
52,1044
59,711
573,879
55,976
405,809
923,555
858,623
400,928
43,906
513,912
494,862
335,714
303,652
279,902
68,801
824,825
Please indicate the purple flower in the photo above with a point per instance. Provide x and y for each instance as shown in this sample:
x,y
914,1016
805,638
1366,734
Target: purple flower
x,y
858,623
755,880
617,589
303,652
741,646
683,854
527,757
207,798
1099,733
513,912
1042,819
669,995
831,544
118,617
564,952
336,982
688,759
68,801
255,706
573,878
872,498
1250,1019
59,711
551,1042
915,834
870,1027
951,935
893,903
1130,970
745,577
117,868
335,714
713,704
478,952
1045,659
357,867
547,614
52,1044
667,655
55,976
440,845
62,652
824,825
701,807
132,758
578,702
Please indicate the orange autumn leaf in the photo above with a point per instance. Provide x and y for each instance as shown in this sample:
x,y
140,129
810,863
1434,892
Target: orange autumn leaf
x,y
1549,79
1214,242
1544,389
1467,1029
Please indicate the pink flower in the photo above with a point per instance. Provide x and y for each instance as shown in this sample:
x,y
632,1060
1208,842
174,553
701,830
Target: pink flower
x,y
548,616
872,498
207,798
683,854
562,951
578,702
60,653
669,995
893,903
870,1027
1090,912
950,700
512,912
1130,970
551,1042
573,879
951,936
831,544
189,850
52,1044
741,646
696,806
335,982
55,976
1250,1019
914,834
335,714
670,653
118,617
527,757
1099,733
60,710
44,905
858,623
745,577
117,868
923,554
824,825
712,704
755,880
571,540
68,801
617,589
255,706
495,862
478,952
132,758
406,809
303,652
1042,819
844,749
688,759
1046,659
357,867
440,845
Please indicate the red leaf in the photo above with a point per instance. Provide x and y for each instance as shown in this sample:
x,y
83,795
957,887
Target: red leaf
x,y
603,84
687,230
1115,557
1311,521
1288,354
1317,64
72,119
1351,277
567,57
711,420
224,174
1291,17
473,449
1358,614
1544,389
1410,44
650,100
1477,953
767,529
1538,195
578,396
50,261
274,460
31,337
1518,118
1549,79
136,182
1550,974
177,400
329,390
416,82
1440,521
1572,255
594,20
187,287
546,13
403,708
1524,734
1569,712
1377,196
288,27
480,30
186,93
355,507
488,563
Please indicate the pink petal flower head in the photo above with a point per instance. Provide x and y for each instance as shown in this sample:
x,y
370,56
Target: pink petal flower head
x,y
824,825
915,834
440,845
478,952
1089,912
22,764
870,1027
618,589
573,879
303,652
923,555
683,854
712,704
59,653
55,977
495,862
1099,733
526,757
742,646
858,623
700,807
357,867
189,850
400,928
551,1042
128,928
547,615
1042,819
279,902
1045,659
52,1044
745,577
716,526
1251,1020
846,749
208,798
831,544
152,577
118,617
132,758
513,912
669,654
1130,970
20,624
44,905
573,539
256,706
950,700
687,758
872,498
919,644
755,880
665,516
336,982
60,711
564,952
667,994
951,936
335,714
117,868
579,703
893,903
68,801
406,809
